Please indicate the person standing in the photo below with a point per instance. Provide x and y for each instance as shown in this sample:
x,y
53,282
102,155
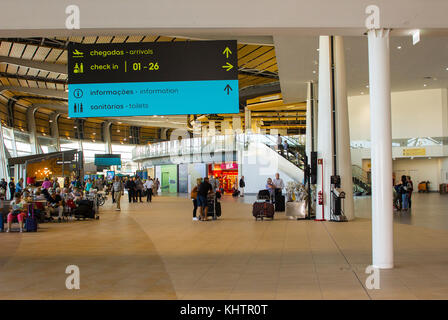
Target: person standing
x,y
148,185
156,187
286,147
3,187
12,188
280,144
138,189
19,186
404,193
410,190
118,191
194,197
203,190
130,185
278,182
242,185
279,185
46,184
88,185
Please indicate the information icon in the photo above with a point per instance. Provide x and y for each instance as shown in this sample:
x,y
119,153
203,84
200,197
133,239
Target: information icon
x,y
77,93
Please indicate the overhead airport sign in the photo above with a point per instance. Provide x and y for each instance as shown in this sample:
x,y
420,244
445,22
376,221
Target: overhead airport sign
x,y
153,78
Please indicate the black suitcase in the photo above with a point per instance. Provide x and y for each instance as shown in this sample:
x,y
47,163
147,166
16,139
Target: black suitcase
x,y
279,203
85,209
264,195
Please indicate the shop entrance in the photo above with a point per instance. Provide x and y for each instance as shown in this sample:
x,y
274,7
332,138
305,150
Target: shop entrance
x,y
226,173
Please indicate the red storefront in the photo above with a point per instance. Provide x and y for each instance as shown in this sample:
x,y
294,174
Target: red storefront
x,y
226,173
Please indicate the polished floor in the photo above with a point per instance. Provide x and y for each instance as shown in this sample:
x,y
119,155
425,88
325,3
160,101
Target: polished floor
x,y
156,251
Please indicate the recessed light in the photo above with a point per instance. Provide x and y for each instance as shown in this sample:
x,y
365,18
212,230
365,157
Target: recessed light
x,y
367,86
362,92
399,47
425,85
446,69
94,133
118,130
314,71
317,49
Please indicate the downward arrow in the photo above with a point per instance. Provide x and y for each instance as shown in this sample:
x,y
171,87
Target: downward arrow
x,y
228,89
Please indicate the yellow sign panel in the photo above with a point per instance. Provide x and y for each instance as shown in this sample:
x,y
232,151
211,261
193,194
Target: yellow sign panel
x,y
414,152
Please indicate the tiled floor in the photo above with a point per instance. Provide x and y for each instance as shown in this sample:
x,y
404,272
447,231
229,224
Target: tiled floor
x,y
155,251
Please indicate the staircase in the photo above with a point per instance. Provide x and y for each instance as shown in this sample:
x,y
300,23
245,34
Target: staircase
x,y
361,181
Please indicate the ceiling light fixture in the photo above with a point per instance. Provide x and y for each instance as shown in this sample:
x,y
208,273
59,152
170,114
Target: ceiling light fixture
x,y
399,47
424,84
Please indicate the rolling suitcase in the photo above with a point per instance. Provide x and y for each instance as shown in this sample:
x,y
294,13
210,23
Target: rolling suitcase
x,y
279,202
262,210
31,220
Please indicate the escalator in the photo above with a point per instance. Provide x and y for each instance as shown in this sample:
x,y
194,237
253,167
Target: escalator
x,y
361,181
296,150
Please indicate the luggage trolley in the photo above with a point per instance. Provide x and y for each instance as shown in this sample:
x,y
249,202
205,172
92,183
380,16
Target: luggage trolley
x,y
214,206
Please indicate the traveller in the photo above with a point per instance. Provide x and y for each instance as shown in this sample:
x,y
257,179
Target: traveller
x,y
286,147
194,197
88,185
404,193
156,187
410,190
242,185
130,186
18,209
149,185
3,188
270,187
280,144
138,189
46,184
214,183
55,184
12,188
118,191
203,190
67,182
19,186
278,182
54,205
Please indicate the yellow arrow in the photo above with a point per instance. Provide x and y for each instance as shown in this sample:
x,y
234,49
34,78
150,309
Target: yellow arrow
x,y
227,52
227,66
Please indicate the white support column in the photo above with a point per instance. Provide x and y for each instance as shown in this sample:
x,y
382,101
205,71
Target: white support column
x,y
31,123
247,120
381,149
325,130
343,154
55,129
311,116
107,137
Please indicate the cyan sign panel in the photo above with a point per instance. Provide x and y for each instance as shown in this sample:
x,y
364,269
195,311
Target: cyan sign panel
x,y
166,78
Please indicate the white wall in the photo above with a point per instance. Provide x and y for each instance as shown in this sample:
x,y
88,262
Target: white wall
x,y
260,162
419,170
421,113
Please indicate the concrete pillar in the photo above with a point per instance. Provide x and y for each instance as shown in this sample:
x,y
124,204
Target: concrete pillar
x,y
107,137
4,172
55,129
325,130
247,119
311,119
344,159
31,124
381,149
